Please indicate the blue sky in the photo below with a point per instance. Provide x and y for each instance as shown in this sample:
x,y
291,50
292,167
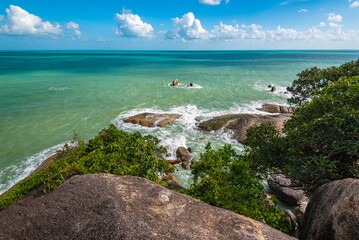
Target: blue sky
x,y
179,25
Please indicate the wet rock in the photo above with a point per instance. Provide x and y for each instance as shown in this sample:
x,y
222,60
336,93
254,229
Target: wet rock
x,y
270,85
280,186
104,206
174,162
333,212
190,149
169,155
273,89
202,138
153,119
239,123
273,108
170,178
302,207
186,164
175,82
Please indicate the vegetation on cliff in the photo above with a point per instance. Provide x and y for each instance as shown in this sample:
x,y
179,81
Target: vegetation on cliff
x,y
321,142
111,151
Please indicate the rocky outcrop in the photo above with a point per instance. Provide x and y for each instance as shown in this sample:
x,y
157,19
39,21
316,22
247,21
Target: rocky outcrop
x,y
185,156
175,82
239,123
280,186
104,206
273,108
333,212
153,119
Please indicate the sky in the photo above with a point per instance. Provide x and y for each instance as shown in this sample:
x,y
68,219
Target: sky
x,y
179,24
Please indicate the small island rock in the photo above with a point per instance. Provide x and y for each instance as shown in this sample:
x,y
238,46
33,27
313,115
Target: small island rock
x,y
153,119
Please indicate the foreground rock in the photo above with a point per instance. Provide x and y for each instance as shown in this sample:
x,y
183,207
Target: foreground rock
x,y
280,186
104,206
239,123
153,119
273,108
333,212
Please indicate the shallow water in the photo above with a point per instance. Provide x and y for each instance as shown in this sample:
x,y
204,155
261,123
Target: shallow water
x,y
46,95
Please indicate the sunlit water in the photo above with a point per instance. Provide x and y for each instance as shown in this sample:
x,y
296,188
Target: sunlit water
x,y
45,96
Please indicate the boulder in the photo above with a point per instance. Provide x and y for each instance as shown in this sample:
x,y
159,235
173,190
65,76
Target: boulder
x,y
104,206
273,89
183,154
302,207
153,119
239,123
170,178
280,186
186,164
273,108
174,162
190,150
175,82
333,212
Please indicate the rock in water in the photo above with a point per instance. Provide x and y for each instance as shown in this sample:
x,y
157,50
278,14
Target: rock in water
x,y
153,119
104,206
280,186
273,108
239,123
175,82
333,212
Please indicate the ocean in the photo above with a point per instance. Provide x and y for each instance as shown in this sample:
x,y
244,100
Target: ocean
x,y
47,95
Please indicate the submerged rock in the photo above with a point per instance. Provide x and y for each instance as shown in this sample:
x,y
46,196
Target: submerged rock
x,y
104,206
280,186
273,108
239,123
333,212
153,119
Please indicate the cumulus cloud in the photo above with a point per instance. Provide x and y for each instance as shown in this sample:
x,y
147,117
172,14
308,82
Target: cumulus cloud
x,y
303,10
255,31
190,28
354,4
212,2
20,22
225,32
75,28
335,18
131,25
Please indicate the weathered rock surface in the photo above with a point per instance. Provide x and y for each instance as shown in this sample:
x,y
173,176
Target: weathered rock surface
x,y
185,156
170,178
104,206
239,123
153,119
175,82
174,162
273,108
280,186
333,212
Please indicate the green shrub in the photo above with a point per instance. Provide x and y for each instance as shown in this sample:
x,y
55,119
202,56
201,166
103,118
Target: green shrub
x,y
223,179
321,142
112,151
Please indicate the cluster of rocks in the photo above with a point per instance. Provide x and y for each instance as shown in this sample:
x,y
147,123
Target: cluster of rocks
x,y
153,119
184,157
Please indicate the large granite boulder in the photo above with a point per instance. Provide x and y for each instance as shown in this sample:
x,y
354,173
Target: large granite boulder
x,y
273,108
280,186
185,156
104,206
333,212
153,119
239,123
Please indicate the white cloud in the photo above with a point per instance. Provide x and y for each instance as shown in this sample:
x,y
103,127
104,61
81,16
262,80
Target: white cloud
x,y
20,22
1,18
303,10
285,34
354,4
322,24
256,32
131,25
225,32
190,28
284,3
335,25
335,18
75,28
212,2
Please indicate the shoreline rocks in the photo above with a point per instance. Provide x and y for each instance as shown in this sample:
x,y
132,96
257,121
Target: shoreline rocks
x,y
153,119
185,156
273,108
105,206
280,186
239,123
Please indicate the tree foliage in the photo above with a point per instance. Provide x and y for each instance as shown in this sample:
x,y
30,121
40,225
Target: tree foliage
x,y
112,151
223,179
316,79
322,138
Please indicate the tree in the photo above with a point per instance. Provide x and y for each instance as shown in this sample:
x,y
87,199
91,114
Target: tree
x,y
316,79
321,142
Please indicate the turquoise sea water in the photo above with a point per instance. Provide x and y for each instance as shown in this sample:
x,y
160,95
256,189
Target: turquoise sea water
x,y
46,95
